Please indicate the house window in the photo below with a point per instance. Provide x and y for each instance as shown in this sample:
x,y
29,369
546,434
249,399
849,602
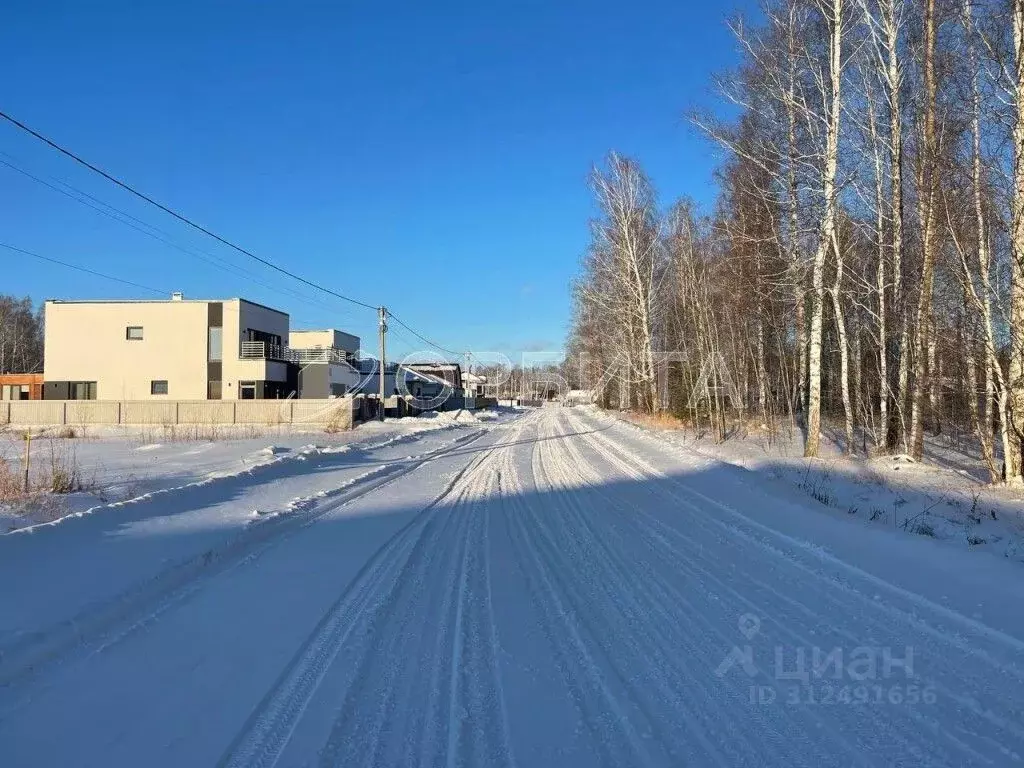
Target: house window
x,y
273,339
214,390
158,387
133,333
247,390
216,345
81,390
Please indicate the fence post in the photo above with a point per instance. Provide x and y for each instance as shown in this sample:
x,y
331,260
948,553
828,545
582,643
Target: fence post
x,y
234,411
177,412
64,413
28,458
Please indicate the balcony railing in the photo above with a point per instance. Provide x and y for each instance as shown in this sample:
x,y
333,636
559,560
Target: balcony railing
x,y
260,350
304,356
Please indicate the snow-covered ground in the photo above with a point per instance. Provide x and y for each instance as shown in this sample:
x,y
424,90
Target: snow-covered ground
x,y
557,589
946,497
116,465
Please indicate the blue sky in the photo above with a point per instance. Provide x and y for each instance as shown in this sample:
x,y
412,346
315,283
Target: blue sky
x,y
429,156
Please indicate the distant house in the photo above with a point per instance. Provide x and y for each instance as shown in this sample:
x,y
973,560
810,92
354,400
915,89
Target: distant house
x,y
327,362
474,384
580,396
330,339
428,380
21,386
369,371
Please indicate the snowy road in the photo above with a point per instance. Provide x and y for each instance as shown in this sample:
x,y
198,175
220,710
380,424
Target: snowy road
x,y
558,590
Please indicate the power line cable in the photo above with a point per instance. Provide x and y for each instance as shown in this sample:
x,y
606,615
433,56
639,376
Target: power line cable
x,y
422,338
175,214
81,269
185,220
413,346
114,213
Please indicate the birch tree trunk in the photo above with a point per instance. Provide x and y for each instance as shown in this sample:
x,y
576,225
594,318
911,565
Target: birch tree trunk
x,y
827,233
926,205
1016,370
934,380
881,288
894,85
844,348
799,294
981,297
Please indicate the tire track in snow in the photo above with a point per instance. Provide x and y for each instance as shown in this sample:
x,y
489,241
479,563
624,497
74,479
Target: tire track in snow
x,y
892,725
797,721
103,626
588,621
664,652
826,602
644,470
462,721
588,595
655,602
567,646
386,591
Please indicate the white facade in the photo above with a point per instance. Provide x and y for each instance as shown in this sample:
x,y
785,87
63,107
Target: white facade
x,y
176,349
325,339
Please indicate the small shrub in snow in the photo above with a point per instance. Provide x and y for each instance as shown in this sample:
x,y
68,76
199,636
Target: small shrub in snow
x,y
877,513
62,475
923,529
10,481
336,423
973,513
65,481
975,541
821,496
658,421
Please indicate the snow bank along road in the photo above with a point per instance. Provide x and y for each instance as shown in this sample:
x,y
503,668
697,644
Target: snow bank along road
x,y
556,590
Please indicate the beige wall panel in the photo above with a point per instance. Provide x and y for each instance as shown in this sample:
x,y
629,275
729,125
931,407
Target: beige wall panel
x,y
263,412
149,412
87,342
206,412
92,412
37,412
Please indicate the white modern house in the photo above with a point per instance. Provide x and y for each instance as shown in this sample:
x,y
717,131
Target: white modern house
x,y
180,349
327,362
188,349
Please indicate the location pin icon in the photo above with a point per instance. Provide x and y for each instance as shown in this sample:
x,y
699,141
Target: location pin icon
x,y
750,625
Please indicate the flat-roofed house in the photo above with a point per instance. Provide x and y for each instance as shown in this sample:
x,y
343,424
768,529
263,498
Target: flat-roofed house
x,y
178,349
328,362
21,386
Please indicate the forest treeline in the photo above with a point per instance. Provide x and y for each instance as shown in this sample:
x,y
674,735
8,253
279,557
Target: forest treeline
x,y
21,336
864,261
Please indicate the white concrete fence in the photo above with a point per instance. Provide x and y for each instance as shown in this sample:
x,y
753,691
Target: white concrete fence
x,y
336,413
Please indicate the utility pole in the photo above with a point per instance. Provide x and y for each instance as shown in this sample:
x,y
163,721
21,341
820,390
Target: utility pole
x,y
382,314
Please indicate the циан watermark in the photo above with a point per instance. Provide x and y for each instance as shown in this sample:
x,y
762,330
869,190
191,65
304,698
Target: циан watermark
x,y
811,676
